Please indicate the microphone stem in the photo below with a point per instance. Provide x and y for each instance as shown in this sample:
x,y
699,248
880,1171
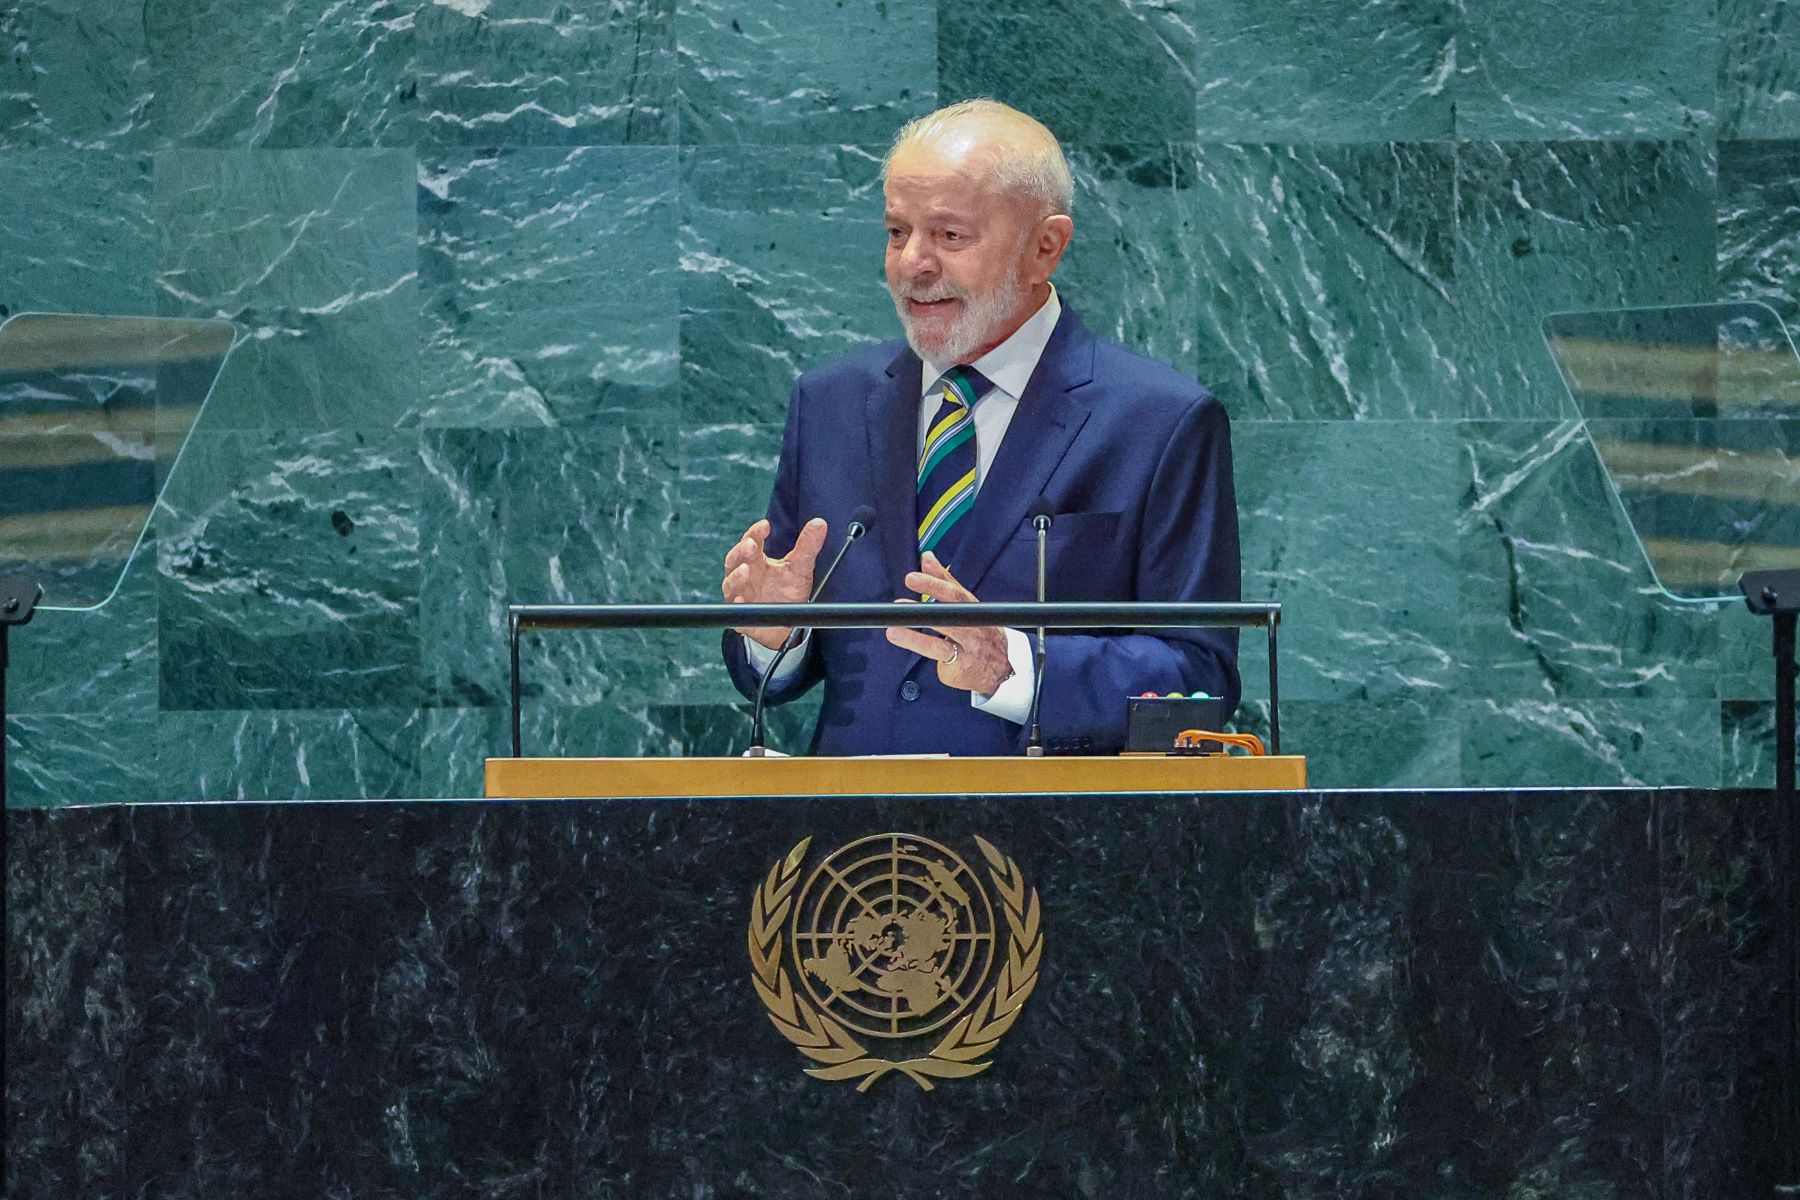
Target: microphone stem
x,y
1034,738
756,749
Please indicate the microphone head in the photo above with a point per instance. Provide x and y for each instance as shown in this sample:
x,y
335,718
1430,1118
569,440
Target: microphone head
x,y
863,517
1041,511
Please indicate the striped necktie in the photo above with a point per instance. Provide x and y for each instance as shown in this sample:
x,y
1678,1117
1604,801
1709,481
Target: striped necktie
x,y
947,463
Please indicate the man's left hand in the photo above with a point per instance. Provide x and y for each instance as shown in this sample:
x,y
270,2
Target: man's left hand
x,y
972,658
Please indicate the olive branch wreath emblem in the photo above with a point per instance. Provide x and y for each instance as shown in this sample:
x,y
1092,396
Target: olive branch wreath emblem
x,y
960,1053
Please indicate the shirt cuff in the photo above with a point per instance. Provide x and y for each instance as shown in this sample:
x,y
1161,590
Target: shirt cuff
x,y
1012,699
760,656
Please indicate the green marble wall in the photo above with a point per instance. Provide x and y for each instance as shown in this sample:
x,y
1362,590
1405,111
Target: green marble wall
x,y
526,283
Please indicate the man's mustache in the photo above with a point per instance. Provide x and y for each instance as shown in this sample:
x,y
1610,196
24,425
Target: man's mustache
x,y
926,295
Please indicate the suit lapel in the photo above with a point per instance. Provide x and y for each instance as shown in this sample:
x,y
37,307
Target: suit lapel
x,y
1040,433
893,428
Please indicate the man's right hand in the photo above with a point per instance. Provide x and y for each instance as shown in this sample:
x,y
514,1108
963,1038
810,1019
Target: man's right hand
x,y
752,577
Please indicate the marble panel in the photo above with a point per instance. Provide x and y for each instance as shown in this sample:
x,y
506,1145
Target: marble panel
x,y
1721,915
1556,600
781,257
100,661
229,945
315,230
545,516
1102,71
304,73
70,1026
1130,272
1411,741
727,472
1746,654
294,370
303,754
1327,71
75,233
1359,552
1747,736
1759,235
1559,226
1671,742
1759,68
312,253
1324,280
1535,1010
290,572
1276,995
76,74
1548,69
550,286
544,73
58,759
804,70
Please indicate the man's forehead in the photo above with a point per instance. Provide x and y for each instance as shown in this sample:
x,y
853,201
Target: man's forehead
x,y
940,187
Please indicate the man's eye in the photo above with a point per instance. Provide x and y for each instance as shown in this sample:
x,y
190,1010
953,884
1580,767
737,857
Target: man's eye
x,y
951,235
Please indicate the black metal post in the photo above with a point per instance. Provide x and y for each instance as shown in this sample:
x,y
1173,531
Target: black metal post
x,y
1776,595
512,637
1787,854
18,600
1274,690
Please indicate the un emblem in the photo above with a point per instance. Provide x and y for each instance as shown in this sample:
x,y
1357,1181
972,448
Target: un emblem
x,y
894,937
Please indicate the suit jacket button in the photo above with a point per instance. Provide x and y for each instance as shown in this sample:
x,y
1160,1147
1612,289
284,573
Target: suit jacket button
x,y
909,690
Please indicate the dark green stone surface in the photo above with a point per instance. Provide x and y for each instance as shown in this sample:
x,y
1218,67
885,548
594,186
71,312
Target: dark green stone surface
x,y
79,232
1759,254
1330,71
313,73
549,282
1092,70
1544,69
1557,226
290,567
1559,993
756,74
1759,68
537,72
524,286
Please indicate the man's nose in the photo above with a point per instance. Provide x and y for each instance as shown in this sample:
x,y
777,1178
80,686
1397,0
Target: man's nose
x,y
916,258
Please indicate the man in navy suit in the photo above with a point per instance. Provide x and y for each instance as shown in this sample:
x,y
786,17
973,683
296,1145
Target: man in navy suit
x,y
997,399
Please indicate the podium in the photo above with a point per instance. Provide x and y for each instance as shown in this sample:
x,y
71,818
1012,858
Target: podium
x,y
616,778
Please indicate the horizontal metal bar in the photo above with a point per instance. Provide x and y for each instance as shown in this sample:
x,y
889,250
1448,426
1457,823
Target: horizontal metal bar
x,y
1107,614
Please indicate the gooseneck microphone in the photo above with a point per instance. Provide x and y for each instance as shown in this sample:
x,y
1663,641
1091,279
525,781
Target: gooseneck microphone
x,y
860,520
1034,737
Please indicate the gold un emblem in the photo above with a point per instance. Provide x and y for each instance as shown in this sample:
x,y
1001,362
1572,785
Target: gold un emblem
x,y
893,937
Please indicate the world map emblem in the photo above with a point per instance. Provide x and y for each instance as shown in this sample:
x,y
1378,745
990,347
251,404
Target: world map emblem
x,y
895,938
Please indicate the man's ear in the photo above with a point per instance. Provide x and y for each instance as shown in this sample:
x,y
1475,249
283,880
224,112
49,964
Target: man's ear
x,y
1053,237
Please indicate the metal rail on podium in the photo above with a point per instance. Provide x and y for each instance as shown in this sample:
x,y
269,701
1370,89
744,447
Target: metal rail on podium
x,y
519,776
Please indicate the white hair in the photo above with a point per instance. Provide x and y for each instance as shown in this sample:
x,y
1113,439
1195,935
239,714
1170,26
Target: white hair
x,y
1025,159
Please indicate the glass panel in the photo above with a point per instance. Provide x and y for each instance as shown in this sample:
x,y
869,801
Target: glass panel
x,y
93,414
1694,411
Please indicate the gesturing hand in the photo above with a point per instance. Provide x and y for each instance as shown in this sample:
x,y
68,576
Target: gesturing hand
x,y
972,658
752,577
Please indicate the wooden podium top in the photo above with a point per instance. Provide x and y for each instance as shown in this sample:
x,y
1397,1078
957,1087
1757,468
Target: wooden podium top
x,y
598,778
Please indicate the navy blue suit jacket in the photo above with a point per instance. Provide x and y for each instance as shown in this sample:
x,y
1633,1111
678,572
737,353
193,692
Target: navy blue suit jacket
x,y
1135,461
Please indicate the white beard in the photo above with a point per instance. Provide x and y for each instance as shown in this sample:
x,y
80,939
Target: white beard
x,y
981,317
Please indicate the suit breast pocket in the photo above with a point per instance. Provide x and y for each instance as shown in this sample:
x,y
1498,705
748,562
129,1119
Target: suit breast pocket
x,y
1083,558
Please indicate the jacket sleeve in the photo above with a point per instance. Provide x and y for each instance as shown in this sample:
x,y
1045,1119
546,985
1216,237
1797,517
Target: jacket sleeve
x,y
785,520
1188,552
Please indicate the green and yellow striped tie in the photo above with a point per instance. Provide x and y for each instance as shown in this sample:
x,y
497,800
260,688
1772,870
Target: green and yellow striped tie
x,y
947,463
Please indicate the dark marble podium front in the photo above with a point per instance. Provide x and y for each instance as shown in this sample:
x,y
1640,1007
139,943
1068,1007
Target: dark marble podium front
x,y
1452,994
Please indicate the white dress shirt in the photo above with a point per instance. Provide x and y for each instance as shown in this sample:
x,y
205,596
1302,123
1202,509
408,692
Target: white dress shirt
x,y
1008,367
